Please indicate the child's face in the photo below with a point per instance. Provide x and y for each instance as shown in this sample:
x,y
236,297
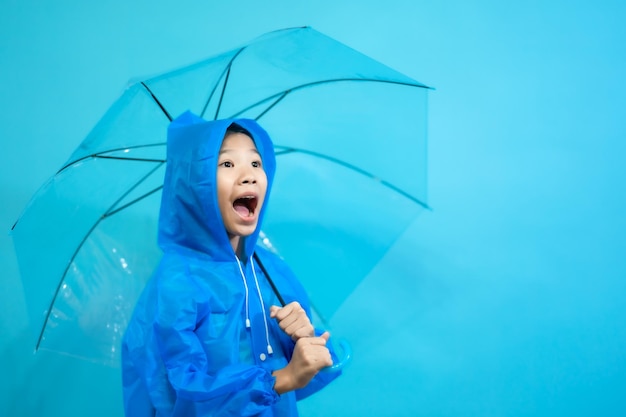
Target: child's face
x,y
241,186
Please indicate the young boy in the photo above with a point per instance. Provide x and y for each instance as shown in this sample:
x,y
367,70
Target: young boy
x,y
207,337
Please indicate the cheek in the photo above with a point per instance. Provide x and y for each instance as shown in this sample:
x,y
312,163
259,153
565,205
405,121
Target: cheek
x,y
222,197
263,187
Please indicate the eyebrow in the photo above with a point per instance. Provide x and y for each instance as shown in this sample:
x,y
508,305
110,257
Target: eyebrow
x,y
227,150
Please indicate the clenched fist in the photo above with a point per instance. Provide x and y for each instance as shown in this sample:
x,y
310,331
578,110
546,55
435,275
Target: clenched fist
x,y
310,355
293,320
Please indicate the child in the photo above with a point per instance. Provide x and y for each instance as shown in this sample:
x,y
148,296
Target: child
x,y
207,337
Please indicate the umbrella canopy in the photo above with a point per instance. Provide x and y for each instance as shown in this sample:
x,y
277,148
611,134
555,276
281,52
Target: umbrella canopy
x,y
350,135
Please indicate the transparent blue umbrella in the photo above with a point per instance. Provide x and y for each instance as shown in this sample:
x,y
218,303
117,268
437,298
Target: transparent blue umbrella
x,y
350,135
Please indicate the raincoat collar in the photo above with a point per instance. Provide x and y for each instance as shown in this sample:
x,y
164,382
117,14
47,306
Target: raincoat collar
x,y
190,219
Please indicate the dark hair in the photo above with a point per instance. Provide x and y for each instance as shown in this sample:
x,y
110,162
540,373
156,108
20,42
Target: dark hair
x,y
235,128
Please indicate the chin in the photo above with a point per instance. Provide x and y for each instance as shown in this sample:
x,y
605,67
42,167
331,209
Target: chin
x,y
245,231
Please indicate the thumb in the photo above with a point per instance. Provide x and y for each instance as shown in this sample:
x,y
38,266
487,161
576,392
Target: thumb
x,y
325,336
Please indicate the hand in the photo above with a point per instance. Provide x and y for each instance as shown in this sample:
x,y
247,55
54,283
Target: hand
x,y
292,319
310,355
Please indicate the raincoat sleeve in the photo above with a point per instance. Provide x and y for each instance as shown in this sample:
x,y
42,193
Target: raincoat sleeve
x,y
296,292
235,389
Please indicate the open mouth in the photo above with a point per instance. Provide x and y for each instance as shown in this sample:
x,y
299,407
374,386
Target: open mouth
x,y
245,205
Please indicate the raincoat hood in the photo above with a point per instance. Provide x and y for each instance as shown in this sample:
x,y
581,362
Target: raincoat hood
x,y
190,218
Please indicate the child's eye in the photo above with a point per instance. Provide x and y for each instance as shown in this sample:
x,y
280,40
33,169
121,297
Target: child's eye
x,y
256,164
226,164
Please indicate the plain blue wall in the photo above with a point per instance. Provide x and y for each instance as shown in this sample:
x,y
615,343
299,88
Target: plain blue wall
x,y
506,300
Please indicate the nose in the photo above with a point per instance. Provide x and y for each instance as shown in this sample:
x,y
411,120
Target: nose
x,y
248,176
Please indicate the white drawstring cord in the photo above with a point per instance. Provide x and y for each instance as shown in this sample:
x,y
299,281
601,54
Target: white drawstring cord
x,y
267,334
245,284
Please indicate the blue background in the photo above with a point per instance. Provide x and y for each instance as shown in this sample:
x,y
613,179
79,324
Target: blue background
x,y
506,300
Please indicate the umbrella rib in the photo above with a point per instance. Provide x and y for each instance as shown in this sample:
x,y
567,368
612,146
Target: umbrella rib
x,y
228,68
282,94
56,292
157,102
99,154
206,104
357,170
121,158
80,245
219,103
130,190
148,194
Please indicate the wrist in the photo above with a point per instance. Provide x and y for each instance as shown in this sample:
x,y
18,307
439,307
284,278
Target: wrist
x,y
283,381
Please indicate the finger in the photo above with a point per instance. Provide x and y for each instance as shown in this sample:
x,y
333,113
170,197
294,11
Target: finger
x,y
293,322
320,357
302,327
320,340
286,320
303,331
274,310
325,359
288,310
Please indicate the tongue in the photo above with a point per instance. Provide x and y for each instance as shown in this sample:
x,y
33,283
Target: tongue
x,y
241,209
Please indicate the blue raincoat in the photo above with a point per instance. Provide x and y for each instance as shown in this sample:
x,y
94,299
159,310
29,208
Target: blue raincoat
x,y
187,350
